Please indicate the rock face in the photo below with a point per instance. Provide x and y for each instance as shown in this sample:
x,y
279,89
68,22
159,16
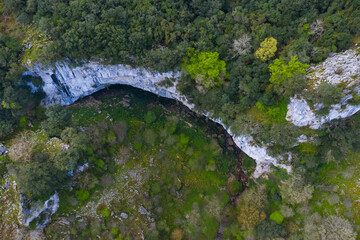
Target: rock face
x,y
3,149
340,68
50,207
65,85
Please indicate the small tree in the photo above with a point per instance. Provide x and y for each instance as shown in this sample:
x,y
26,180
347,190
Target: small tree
x,y
267,49
58,119
327,94
241,46
281,71
206,68
294,191
251,204
336,228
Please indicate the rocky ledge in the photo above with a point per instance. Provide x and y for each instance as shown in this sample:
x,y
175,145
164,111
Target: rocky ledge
x,y
64,84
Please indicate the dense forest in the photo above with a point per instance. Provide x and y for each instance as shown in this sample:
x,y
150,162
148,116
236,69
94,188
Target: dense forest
x,y
240,38
241,61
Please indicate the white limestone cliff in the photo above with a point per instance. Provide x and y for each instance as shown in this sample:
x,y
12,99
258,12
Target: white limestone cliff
x,y
65,85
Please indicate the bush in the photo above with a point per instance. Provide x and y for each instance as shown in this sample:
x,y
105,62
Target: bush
x,y
39,177
6,127
336,228
277,217
150,137
326,93
270,230
150,117
82,195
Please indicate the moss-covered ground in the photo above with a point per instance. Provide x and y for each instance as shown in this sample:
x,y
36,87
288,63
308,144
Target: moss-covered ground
x,y
167,177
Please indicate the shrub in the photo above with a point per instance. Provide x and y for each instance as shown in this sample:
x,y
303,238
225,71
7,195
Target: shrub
x,y
120,129
82,195
327,94
286,211
150,117
277,217
39,177
25,144
270,230
177,234
105,213
6,127
280,71
149,136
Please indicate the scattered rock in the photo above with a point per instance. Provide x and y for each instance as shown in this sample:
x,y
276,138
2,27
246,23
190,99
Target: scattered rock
x,y
124,215
229,141
3,149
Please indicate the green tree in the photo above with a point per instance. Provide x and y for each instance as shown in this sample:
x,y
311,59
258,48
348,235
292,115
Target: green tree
x,y
206,68
327,94
39,177
267,49
66,160
57,119
280,70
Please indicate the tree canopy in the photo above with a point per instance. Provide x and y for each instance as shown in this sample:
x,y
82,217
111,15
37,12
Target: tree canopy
x,y
206,68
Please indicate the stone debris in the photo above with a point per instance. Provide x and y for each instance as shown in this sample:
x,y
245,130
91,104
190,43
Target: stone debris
x,y
3,149
124,215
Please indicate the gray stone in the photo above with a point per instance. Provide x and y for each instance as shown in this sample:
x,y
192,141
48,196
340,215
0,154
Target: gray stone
x,y
124,215
3,149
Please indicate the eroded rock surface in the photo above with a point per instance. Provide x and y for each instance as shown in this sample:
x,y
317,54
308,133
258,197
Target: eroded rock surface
x,y
341,69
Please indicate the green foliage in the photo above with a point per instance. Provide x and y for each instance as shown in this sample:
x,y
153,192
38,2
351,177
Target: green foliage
x,y
67,160
39,177
150,117
114,231
280,71
22,122
270,230
105,213
267,49
57,119
16,99
206,68
82,195
327,94
235,187
277,217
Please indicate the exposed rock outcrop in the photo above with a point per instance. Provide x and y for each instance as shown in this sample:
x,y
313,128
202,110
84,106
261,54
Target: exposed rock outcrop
x,y
65,85
340,68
